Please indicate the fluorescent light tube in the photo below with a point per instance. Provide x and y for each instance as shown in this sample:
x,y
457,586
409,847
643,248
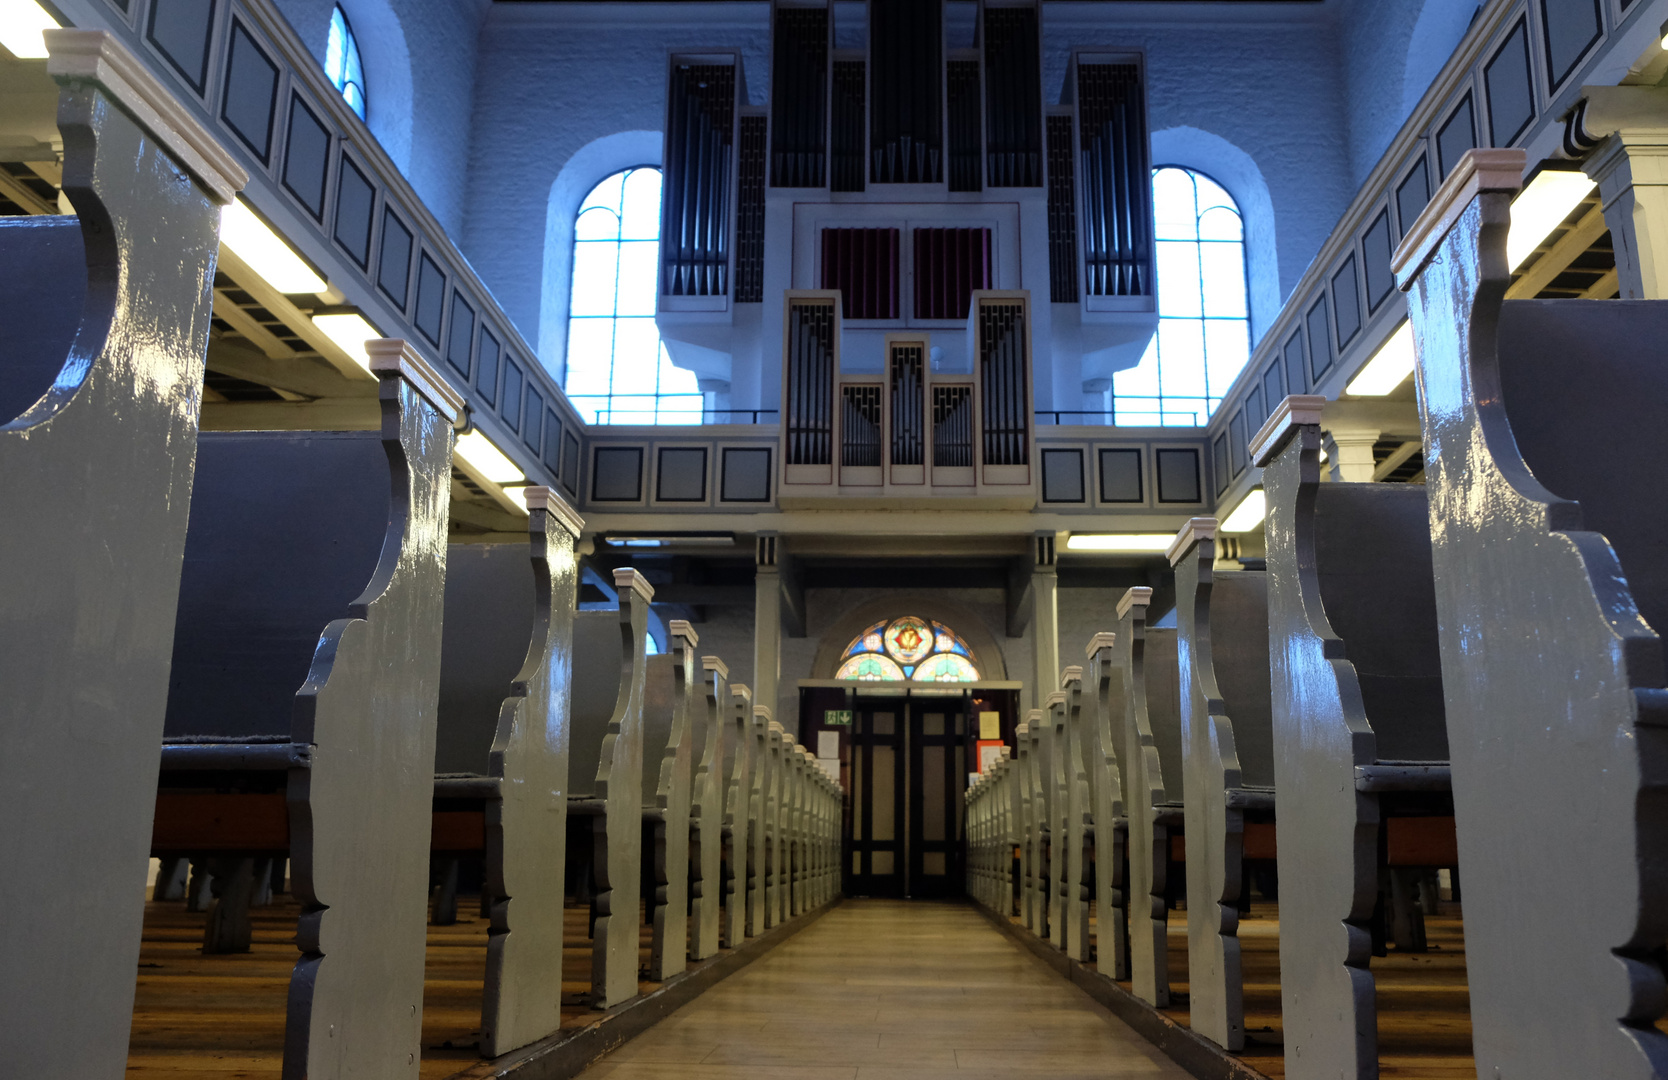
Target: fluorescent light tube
x,y
488,460
21,23
253,241
1125,542
1248,514
1388,368
349,332
1541,207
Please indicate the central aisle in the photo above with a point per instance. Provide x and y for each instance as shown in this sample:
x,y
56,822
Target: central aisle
x,y
889,990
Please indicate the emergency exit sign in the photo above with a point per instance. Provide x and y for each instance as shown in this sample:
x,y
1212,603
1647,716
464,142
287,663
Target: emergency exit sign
x,y
836,717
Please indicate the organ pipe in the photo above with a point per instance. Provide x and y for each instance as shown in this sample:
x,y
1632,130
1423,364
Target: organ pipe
x,y
696,195
906,107
799,96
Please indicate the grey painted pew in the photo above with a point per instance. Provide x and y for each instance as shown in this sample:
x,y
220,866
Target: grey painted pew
x,y
1076,823
505,690
101,365
1151,771
1359,725
606,767
306,666
741,751
1543,462
1227,765
759,828
1052,766
1033,900
1103,706
775,825
669,738
706,811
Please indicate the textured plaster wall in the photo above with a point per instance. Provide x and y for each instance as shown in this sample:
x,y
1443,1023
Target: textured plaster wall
x,y
1391,50
419,58
554,78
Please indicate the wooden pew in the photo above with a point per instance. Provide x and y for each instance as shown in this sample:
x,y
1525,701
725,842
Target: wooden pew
x,y
775,824
706,811
1075,831
1052,770
101,365
668,764
760,829
502,753
1359,726
1151,740
318,705
1227,765
1033,890
1104,708
739,820
607,746
1543,457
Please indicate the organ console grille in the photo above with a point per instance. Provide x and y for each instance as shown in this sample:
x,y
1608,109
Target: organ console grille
x,y
1004,382
906,363
950,264
799,107
863,265
860,426
952,426
1013,97
812,364
1116,177
906,107
750,211
695,204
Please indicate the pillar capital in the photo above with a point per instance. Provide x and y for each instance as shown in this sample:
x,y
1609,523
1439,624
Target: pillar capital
x,y
1350,453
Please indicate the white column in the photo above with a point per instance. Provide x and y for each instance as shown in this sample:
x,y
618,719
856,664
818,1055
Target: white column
x,y
767,624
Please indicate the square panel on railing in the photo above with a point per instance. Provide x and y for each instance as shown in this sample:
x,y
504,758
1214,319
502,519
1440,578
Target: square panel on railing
x,y
486,367
393,263
180,31
1296,366
1063,475
1510,87
552,451
745,475
1318,330
1413,193
1123,477
1376,249
1571,28
355,211
306,156
460,343
617,474
532,417
680,474
1178,471
249,92
1457,135
1346,303
431,298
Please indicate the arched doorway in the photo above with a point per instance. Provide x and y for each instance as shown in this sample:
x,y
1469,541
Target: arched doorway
x,y
905,710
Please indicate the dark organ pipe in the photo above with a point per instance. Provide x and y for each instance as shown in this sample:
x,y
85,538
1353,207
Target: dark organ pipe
x,y
906,54
1062,212
847,120
1006,398
1013,97
696,196
750,211
1117,186
799,84
907,403
965,159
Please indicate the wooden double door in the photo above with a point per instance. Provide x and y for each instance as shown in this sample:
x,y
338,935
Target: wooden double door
x,y
908,772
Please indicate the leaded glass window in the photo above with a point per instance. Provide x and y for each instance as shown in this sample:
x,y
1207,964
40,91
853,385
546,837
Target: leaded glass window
x,y
342,63
618,369
908,648
1204,324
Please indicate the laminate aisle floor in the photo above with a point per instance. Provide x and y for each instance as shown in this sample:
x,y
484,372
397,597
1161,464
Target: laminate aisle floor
x,y
889,990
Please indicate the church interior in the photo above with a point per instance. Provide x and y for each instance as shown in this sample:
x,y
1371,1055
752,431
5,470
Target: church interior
x,y
833,539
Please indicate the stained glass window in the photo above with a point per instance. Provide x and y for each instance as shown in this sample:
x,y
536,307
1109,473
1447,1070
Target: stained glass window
x,y
1204,323
618,369
908,648
342,64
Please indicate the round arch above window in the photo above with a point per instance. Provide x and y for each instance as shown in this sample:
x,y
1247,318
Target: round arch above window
x,y
908,648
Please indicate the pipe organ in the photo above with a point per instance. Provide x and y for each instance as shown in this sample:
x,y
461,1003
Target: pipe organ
x,y
885,190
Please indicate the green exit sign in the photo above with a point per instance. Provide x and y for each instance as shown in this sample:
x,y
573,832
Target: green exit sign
x,y
836,717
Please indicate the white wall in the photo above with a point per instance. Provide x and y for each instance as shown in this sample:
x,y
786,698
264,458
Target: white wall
x,y
419,58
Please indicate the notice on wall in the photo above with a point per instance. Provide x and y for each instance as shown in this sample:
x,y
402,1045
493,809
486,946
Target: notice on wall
x,y
828,744
990,725
836,717
990,753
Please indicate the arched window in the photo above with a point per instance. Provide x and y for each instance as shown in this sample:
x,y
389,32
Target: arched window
x,y
618,369
342,64
1204,326
910,647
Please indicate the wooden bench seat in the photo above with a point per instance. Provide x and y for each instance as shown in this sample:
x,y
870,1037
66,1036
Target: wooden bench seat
x,y
101,365
1544,453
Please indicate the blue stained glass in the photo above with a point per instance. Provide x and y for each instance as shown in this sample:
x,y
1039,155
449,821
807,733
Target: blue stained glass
x,y
1204,328
618,369
909,669
342,63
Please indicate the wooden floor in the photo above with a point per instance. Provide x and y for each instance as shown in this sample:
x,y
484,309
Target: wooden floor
x,y
889,990
1424,1011
222,1017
